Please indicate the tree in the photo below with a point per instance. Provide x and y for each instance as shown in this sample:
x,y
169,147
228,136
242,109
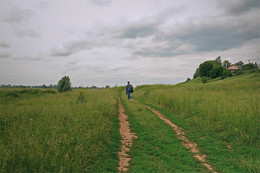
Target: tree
x,y
240,63
216,71
64,84
197,73
217,61
250,66
226,64
205,68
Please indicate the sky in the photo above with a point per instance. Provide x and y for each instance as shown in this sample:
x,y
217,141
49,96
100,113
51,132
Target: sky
x,y
110,42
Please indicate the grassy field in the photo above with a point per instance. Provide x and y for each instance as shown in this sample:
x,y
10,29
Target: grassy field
x,y
78,131
223,117
43,131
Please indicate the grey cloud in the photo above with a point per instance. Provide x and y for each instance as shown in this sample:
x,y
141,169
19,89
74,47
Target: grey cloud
x,y
28,59
70,48
136,31
239,7
4,45
26,32
43,4
17,16
72,62
206,36
100,2
158,52
4,54
217,36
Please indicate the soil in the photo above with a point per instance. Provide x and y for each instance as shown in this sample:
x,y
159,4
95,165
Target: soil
x,y
126,140
192,146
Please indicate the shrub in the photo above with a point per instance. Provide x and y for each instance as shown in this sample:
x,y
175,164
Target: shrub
x,y
238,72
188,79
81,98
226,73
204,79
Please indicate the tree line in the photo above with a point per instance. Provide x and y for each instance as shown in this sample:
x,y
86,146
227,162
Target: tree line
x,y
216,68
63,85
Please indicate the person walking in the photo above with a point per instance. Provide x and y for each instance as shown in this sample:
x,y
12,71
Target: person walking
x,y
129,89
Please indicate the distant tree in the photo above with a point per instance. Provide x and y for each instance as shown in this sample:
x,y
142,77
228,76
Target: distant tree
x,y
239,63
197,73
226,64
64,84
216,71
205,68
250,66
107,86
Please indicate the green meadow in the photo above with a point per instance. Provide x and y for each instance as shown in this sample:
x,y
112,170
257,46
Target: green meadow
x,y
42,130
58,132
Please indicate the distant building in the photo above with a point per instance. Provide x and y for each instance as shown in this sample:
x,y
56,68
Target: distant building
x,y
234,68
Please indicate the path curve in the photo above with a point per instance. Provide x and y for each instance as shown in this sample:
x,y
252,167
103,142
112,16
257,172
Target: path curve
x,y
126,140
192,146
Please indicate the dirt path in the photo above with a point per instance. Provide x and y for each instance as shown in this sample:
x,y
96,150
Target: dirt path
x,y
126,141
186,142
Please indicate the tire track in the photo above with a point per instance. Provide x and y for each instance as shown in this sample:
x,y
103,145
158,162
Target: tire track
x,y
192,146
126,140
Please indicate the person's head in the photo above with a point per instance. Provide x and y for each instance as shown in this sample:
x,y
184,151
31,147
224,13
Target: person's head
x,y
128,82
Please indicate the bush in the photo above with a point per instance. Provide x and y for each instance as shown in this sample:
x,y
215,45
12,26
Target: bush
x,y
188,79
204,79
226,73
64,84
238,72
81,98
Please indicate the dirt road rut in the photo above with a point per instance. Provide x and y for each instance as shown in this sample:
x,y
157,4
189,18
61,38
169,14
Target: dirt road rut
x,y
186,142
126,140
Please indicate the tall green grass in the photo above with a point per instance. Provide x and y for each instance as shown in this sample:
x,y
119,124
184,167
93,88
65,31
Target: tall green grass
x,y
222,116
56,133
229,108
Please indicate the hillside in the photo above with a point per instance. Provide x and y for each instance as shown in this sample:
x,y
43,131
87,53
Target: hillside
x,y
188,127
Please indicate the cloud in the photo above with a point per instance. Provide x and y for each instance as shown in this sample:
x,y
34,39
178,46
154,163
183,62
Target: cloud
x,y
4,45
238,7
185,38
29,32
135,31
18,16
4,54
101,2
23,59
70,48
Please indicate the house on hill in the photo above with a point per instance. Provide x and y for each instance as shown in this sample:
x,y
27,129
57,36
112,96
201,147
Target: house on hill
x,y
234,68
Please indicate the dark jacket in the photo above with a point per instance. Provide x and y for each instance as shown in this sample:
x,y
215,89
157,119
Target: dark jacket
x,y
128,88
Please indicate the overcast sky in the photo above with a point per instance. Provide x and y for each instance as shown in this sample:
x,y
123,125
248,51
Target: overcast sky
x,y
108,42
